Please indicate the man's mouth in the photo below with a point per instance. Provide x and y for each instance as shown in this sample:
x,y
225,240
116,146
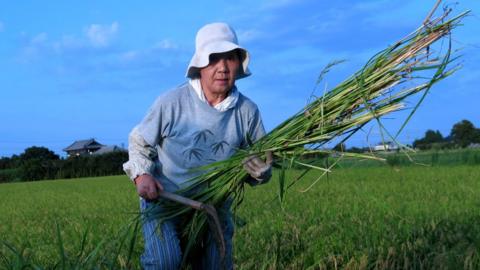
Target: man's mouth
x,y
221,80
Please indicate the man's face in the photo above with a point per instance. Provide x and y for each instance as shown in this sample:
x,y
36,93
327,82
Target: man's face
x,y
219,76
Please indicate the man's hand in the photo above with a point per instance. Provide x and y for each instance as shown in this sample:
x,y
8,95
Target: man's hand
x,y
148,187
257,168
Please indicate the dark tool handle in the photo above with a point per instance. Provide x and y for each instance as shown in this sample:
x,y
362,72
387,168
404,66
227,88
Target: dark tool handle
x,y
182,200
212,219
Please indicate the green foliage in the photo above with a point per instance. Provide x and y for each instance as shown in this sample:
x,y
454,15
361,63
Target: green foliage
x,y
464,133
341,147
95,165
446,157
9,175
393,160
39,163
9,163
355,149
37,169
35,163
365,218
84,223
432,139
35,153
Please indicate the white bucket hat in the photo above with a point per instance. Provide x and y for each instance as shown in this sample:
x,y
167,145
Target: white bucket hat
x,y
216,38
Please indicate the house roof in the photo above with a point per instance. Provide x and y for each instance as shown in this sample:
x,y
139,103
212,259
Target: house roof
x,y
108,149
83,144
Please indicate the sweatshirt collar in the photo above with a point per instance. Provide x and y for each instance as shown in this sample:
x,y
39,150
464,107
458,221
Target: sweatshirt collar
x,y
229,102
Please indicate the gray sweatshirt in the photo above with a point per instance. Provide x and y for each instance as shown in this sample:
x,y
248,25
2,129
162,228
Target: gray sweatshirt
x,y
180,133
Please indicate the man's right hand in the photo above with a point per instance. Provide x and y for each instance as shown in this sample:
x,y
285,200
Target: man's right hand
x,y
148,187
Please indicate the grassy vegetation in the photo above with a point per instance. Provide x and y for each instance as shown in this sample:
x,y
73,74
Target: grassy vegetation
x,y
434,157
438,157
359,218
367,218
95,207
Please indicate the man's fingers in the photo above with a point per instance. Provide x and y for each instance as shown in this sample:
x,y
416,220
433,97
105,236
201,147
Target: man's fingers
x,y
159,186
247,159
152,194
250,169
147,193
254,162
269,156
257,167
148,187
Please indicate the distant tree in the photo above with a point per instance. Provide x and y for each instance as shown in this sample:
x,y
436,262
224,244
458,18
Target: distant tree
x,y
9,162
464,133
430,139
95,165
38,163
341,147
36,152
9,168
5,163
355,149
433,136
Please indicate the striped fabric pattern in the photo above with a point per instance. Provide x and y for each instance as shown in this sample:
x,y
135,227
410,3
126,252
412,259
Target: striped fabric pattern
x,y
162,249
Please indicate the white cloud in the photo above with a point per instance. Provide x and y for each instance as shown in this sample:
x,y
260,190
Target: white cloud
x,y
129,56
245,36
67,42
39,39
101,35
33,47
2,26
165,44
95,36
91,49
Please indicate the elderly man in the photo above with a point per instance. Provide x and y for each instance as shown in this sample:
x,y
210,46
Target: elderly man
x,y
199,122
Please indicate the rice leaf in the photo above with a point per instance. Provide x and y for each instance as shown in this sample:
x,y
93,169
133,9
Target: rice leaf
x,y
281,182
61,249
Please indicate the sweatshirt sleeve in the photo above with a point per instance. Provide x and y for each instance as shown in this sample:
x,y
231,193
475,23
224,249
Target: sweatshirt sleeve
x,y
256,129
151,127
141,156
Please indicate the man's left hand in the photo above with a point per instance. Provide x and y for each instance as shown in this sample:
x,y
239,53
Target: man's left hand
x,y
257,168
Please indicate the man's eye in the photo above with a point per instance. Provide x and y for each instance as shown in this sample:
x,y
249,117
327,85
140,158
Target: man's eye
x,y
215,58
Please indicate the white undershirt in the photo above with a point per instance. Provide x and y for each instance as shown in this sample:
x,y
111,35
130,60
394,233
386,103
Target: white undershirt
x,y
229,102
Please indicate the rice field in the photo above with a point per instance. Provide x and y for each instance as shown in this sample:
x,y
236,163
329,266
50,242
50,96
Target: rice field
x,y
367,218
411,217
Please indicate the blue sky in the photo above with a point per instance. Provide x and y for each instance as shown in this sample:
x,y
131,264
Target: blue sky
x,y
91,69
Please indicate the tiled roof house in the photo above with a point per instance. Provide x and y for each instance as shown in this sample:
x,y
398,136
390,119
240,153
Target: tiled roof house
x,y
83,147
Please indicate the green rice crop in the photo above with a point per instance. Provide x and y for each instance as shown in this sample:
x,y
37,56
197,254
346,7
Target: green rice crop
x,y
365,218
97,209
435,157
358,218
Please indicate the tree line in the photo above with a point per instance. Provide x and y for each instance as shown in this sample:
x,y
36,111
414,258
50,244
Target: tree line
x,y
38,163
462,134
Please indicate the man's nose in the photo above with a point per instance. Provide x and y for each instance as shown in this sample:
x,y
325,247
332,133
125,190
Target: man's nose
x,y
222,65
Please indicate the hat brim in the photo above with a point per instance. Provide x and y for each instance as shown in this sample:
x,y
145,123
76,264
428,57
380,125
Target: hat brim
x,y
201,58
